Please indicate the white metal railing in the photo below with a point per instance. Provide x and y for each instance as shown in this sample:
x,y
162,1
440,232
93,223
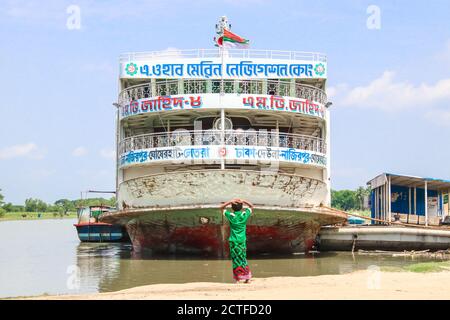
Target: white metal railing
x,y
214,137
216,53
178,87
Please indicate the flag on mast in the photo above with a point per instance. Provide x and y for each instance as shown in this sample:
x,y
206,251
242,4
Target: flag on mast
x,y
231,40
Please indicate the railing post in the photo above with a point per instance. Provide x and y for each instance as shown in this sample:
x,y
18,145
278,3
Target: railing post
x,y
180,86
208,86
153,84
426,202
222,135
264,86
292,88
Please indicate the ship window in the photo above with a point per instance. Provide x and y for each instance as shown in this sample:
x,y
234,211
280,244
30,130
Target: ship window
x,y
206,122
240,123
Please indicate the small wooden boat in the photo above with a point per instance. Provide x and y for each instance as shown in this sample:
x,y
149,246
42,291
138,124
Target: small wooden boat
x,y
89,229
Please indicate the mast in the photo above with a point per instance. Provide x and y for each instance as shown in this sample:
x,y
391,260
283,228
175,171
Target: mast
x,y
220,27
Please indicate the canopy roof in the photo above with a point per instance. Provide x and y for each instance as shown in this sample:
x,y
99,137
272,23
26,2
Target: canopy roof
x,y
410,181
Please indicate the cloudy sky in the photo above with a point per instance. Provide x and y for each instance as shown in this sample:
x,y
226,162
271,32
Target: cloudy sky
x,y
389,80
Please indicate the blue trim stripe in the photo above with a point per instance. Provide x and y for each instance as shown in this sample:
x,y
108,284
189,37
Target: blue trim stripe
x,y
100,236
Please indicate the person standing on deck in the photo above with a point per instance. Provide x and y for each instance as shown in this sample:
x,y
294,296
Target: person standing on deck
x,y
238,237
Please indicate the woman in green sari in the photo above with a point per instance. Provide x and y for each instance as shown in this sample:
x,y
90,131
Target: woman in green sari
x,y
237,218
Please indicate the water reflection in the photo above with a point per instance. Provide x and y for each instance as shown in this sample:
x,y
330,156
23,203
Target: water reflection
x,y
115,267
98,261
36,256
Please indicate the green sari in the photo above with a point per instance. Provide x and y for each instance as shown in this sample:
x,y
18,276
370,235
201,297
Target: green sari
x,y
238,243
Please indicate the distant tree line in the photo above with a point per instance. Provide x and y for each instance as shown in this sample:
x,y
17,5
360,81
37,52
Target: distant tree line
x,y
62,206
340,199
2,211
349,199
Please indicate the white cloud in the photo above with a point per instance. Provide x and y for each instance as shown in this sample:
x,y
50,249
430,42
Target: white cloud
x,y
335,91
79,152
29,150
108,153
388,94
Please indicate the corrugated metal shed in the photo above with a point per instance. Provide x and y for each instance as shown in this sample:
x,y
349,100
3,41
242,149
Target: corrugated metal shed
x,y
421,200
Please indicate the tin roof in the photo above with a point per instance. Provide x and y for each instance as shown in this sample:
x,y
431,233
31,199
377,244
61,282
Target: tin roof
x,y
409,181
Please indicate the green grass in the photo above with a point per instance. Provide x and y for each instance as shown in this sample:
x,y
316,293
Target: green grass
x,y
421,267
364,213
45,294
428,267
392,269
10,216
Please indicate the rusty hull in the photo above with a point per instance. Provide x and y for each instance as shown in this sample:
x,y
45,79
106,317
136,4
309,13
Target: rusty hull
x,y
204,231
177,212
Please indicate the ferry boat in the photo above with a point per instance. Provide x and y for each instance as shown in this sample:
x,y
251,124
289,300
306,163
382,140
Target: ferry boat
x,y
198,127
89,229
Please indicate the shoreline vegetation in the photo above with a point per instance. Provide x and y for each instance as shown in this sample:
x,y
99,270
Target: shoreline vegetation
x,y
22,216
365,284
37,209
352,201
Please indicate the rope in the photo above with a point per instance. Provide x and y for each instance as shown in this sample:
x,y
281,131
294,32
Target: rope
x,y
357,215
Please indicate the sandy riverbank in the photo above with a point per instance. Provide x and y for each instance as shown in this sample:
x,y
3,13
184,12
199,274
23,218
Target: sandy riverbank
x,y
357,285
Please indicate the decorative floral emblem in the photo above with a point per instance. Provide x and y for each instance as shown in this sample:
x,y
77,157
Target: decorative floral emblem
x,y
319,69
131,69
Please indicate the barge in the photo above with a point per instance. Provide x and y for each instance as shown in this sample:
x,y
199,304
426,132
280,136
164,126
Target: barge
x,y
389,238
407,213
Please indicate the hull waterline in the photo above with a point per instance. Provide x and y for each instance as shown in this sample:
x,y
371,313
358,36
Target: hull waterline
x,y
204,232
101,232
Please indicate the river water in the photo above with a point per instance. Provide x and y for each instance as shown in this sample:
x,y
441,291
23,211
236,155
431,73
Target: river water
x,y
45,257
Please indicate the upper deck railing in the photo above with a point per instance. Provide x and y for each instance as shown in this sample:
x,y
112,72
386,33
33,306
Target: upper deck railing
x,y
216,53
187,86
214,137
